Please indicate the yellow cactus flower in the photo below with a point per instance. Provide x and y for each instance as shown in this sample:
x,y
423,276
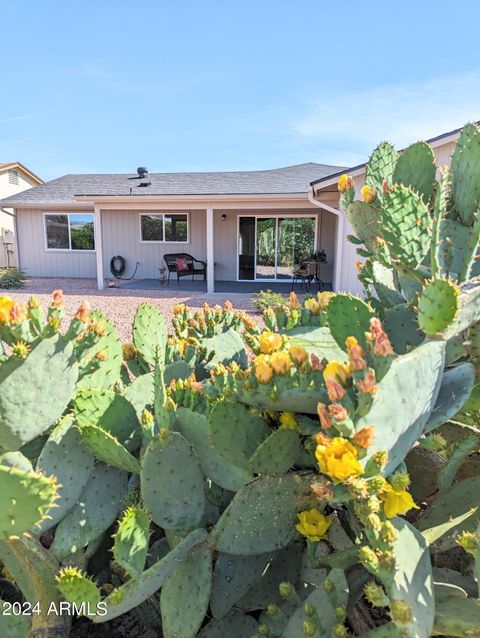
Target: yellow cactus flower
x,y
288,421
6,304
269,342
298,354
337,371
313,524
324,298
344,183
338,460
368,194
396,501
263,371
312,305
280,362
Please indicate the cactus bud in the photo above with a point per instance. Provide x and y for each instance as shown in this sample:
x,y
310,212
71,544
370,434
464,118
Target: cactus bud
x,y
322,488
264,630
340,613
33,302
328,586
102,355
83,312
99,328
147,417
386,561
128,351
273,610
401,612
373,522
286,590
469,542
377,483
375,594
309,628
358,488
368,558
388,534
339,630
20,350
57,299
54,322
309,610
368,194
400,481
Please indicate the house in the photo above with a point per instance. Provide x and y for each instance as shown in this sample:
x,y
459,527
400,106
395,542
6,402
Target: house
x,y
14,178
248,225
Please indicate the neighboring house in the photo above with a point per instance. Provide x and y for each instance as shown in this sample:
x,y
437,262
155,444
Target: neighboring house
x,y
247,225
14,178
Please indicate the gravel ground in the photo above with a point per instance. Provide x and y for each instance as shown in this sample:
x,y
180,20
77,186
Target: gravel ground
x,y
120,305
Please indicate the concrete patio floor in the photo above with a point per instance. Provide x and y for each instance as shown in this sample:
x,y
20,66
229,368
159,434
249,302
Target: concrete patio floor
x,y
198,285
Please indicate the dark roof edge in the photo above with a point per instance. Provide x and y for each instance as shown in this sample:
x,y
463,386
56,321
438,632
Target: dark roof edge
x,y
354,168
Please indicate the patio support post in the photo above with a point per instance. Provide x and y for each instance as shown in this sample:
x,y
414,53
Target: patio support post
x,y
210,252
97,227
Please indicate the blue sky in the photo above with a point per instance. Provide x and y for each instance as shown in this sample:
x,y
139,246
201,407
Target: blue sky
x,y
107,85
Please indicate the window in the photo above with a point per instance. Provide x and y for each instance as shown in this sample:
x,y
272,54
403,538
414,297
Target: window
x,y
12,176
164,227
69,231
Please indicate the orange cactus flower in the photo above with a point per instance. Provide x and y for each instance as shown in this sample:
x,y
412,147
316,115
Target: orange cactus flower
x,y
263,371
228,306
335,390
17,313
83,312
368,385
364,437
298,354
383,347
57,298
294,303
356,355
322,439
324,416
338,412
315,361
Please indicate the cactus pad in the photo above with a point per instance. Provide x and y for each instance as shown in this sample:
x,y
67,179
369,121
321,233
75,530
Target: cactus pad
x,y
78,588
65,457
261,516
404,401
47,380
105,447
406,225
365,220
131,540
149,334
93,513
226,347
464,169
26,497
139,588
416,168
457,385
107,409
381,165
105,373
412,580
277,453
235,432
402,328
186,593
318,341
172,483
194,427
232,577
437,306
348,316
236,624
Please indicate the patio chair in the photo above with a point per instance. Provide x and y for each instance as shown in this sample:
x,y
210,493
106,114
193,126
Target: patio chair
x,y
184,265
304,274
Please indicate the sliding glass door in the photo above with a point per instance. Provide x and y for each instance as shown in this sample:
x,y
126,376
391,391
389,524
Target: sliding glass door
x,y
271,248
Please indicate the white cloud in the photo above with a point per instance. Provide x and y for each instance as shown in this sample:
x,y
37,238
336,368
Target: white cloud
x,y
402,113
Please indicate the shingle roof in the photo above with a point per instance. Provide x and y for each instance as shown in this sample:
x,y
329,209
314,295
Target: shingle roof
x,y
5,165
291,179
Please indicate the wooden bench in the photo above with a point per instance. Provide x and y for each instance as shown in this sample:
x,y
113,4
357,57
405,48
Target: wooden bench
x,y
184,265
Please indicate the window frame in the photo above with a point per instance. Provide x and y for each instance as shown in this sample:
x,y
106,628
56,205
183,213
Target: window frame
x,y
69,249
163,213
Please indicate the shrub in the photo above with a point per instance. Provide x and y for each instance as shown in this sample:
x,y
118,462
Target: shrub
x,y
12,278
266,299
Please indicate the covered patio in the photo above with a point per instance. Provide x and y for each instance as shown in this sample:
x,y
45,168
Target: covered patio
x,y
198,285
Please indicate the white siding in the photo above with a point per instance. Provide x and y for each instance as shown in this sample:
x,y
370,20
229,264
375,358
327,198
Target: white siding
x,y
121,236
38,261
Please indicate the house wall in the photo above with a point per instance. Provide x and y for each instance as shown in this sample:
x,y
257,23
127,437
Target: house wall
x,y
121,236
7,221
38,261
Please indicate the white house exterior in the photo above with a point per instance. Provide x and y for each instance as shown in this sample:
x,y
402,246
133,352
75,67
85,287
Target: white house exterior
x,y
73,225
14,178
